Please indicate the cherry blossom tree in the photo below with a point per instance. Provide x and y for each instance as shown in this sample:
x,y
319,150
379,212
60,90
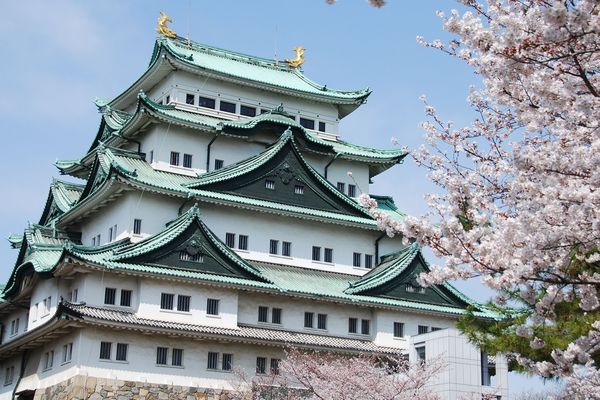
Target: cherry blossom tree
x,y
325,376
519,199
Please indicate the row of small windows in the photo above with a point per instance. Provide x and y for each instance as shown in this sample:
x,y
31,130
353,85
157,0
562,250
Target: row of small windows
x,y
48,357
327,254
286,248
341,186
365,326
299,189
248,111
42,308
120,353
175,160
357,260
263,315
167,302
110,297
242,241
309,320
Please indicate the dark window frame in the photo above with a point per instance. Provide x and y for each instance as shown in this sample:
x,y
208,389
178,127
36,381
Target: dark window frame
x,y
212,306
248,111
227,106
110,296
187,160
207,102
174,159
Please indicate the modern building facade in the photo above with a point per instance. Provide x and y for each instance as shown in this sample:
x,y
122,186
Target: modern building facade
x,y
212,223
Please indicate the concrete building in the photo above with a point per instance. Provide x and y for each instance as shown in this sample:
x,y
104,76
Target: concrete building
x,y
213,222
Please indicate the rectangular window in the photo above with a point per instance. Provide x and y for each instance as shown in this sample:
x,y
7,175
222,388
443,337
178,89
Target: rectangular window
x,y
286,249
177,357
126,298
365,327
356,257
274,246
230,239
166,301
276,316
275,366
219,164
270,184
161,355
98,240
420,353
67,352
307,123
423,329
94,241
213,360
47,305
212,306
322,321
185,256
109,295
75,295
368,261
352,325
9,376
341,186
34,311
174,158
264,111
247,111
261,365
187,160
227,106
105,349
263,314
183,303
434,328
243,242
122,352
227,363
398,329
110,234
328,255
321,126
308,319
316,253
189,99
206,102
151,156
167,99
351,190
299,189
137,226
48,359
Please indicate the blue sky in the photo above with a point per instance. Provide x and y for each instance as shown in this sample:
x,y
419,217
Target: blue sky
x,y
60,55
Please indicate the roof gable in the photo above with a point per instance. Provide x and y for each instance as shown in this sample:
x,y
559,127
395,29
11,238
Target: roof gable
x,y
396,277
188,244
280,174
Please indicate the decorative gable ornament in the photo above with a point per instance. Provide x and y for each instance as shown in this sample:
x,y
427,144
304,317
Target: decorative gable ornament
x,y
163,29
299,60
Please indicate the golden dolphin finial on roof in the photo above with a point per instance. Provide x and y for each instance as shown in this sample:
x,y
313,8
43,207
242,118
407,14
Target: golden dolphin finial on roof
x,y
299,60
163,29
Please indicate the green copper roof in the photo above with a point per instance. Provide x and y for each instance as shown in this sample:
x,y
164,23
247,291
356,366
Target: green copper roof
x,y
270,73
15,240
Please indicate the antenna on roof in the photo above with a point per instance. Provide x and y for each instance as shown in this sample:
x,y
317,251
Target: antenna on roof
x,y
276,60
189,42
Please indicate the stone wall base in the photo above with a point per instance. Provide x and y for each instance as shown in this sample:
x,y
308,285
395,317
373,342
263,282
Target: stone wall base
x,y
89,388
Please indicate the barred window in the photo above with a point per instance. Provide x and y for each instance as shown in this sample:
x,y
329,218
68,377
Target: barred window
x,y
174,158
247,111
308,319
49,359
307,123
137,226
227,363
67,353
105,349
423,329
421,353
365,327
328,255
212,306
398,329
276,316
189,98
161,355
352,325
122,351
368,261
126,298
316,253
109,295
9,376
274,246
356,259
275,366
187,160
261,365
183,303
219,164
321,126
351,190
227,106
166,301
270,184
322,321
299,189
263,314
243,242
341,186
177,357
286,249
230,239
185,256
213,360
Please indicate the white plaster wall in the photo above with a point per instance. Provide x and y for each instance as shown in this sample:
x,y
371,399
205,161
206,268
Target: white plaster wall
x,y
384,320
154,211
44,288
293,310
94,284
7,389
462,376
261,228
6,322
149,306
178,83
